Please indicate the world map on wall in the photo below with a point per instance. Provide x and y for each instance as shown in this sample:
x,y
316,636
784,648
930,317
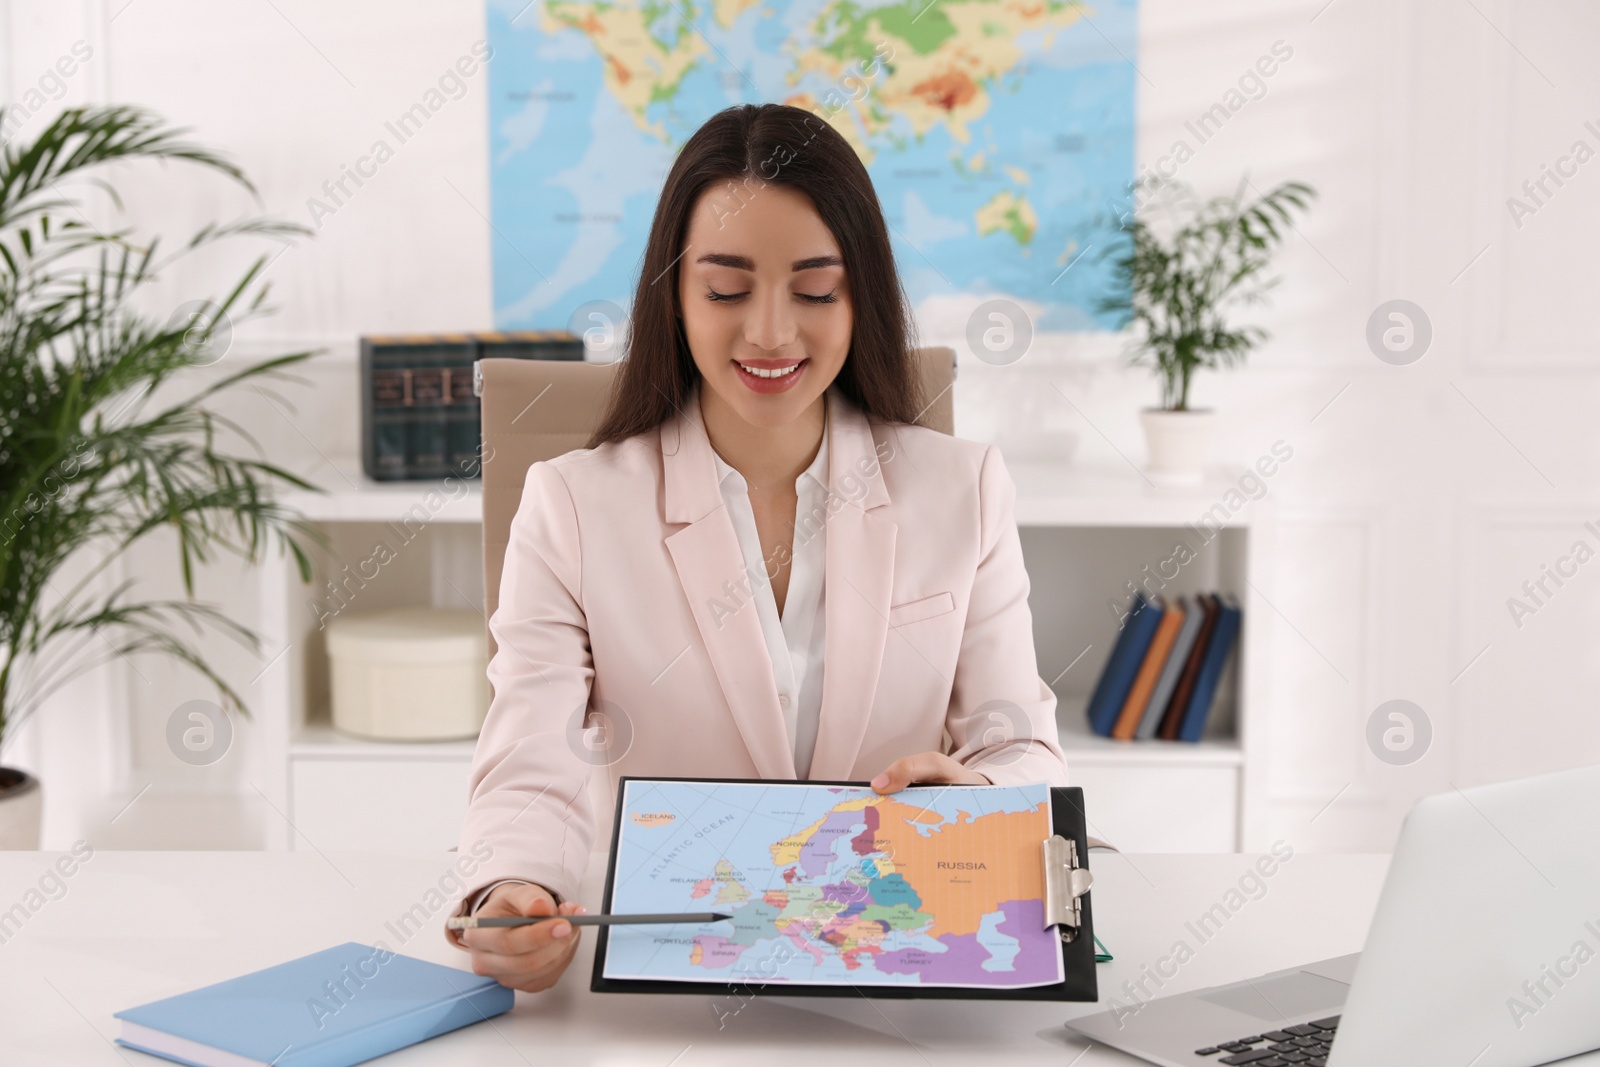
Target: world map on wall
x,y
998,135
834,885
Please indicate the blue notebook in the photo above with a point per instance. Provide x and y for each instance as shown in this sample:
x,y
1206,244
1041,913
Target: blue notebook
x,y
1193,723
1127,655
333,1008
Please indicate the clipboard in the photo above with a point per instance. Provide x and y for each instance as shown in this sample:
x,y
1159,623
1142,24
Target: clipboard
x,y
1067,894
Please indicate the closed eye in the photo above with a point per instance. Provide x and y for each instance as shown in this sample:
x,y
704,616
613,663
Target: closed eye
x,y
823,298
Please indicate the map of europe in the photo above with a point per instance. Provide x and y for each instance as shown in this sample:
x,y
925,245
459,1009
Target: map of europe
x,y
834,885
999,135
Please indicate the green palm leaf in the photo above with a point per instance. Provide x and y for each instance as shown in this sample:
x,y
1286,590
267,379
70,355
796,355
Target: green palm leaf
x,y
87,469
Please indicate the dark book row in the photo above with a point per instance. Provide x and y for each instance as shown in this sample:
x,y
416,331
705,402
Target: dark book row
x,y
420,416
1161,678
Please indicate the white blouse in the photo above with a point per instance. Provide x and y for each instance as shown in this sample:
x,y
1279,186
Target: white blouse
x,y
794,642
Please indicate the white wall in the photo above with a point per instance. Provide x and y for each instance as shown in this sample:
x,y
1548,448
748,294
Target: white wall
x,y
1418,500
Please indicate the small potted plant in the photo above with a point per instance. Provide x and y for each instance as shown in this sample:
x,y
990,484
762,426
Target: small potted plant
x,y
89,465
1178,292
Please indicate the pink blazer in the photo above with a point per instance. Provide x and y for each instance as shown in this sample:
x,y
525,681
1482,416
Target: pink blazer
x,y
624,596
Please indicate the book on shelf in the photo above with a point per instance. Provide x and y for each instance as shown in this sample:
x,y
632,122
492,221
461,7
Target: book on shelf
x,y
1172,715
1122,666
1223,635
1162,677
426,457
419,416
1161,695
1144,683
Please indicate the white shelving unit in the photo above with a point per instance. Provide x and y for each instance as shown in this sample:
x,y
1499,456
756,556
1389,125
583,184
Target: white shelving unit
x,y
1084,531
334,791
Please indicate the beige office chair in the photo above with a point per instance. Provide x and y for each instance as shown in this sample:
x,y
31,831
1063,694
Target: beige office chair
x,y
537,409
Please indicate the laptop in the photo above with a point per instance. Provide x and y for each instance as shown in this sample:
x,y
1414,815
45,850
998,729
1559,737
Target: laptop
x,y
1484,951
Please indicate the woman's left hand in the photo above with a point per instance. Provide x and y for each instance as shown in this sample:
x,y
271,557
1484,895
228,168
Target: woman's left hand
x,y
926,767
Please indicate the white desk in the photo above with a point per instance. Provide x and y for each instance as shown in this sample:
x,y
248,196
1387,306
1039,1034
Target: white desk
x,y
135,926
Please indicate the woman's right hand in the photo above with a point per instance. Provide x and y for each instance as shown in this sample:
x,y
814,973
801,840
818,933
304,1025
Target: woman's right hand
x,y
529,958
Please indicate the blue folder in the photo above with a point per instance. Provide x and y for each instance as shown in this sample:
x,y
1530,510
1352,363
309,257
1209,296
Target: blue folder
x,y
1194,718
333,1008
1122,666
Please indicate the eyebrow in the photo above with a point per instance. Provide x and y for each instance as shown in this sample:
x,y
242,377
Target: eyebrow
x,y
724,259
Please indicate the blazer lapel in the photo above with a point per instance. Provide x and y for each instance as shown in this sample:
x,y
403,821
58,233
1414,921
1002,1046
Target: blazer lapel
x,y
710,566
858,583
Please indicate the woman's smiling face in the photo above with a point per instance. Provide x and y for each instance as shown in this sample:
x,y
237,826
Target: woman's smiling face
x,y
766,302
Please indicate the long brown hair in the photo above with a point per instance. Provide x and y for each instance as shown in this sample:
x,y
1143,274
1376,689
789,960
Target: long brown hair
x,y
751,144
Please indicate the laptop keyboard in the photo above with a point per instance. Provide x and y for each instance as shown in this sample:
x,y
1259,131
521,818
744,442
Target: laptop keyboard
x,y
1304,1044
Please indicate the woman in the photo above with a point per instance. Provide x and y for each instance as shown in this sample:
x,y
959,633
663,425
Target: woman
x,y
759,567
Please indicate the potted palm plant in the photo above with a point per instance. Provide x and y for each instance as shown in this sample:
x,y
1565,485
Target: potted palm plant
x,y
90,462
1178,286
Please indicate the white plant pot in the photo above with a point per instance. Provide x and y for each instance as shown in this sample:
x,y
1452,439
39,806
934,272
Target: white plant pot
x,y
1178,444
21,809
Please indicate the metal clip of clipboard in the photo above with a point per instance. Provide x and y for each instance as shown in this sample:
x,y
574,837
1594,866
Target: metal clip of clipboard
x,y
1065,883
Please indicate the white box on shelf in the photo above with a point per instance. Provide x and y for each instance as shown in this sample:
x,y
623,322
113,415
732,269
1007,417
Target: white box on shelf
x,y
408,674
